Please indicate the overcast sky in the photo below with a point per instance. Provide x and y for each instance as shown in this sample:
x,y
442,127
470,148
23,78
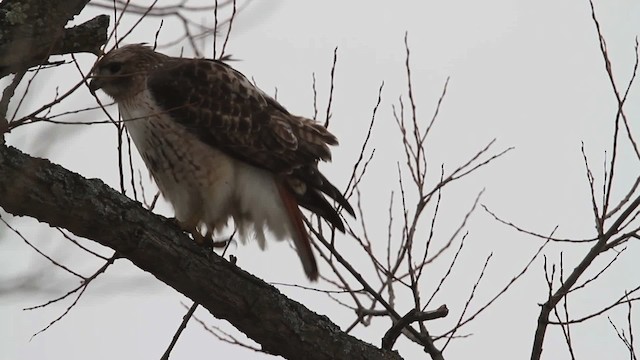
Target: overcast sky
x,y
526,73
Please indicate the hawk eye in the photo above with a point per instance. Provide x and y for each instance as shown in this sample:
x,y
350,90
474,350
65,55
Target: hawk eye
x,y
114,67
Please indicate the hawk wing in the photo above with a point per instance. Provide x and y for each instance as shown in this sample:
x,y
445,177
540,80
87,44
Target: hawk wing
x,y
224,110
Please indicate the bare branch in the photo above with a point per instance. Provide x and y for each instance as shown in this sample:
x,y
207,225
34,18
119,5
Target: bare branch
x,y
90,209
413,315
183,325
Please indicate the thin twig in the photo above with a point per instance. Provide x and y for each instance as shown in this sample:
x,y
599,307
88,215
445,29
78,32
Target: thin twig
x,y
183,325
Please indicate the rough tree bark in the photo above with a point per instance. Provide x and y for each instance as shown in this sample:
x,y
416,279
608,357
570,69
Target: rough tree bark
x,y
49,193
32,30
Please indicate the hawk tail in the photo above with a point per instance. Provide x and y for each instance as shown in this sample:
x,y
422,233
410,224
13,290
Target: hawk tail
x,y
299,232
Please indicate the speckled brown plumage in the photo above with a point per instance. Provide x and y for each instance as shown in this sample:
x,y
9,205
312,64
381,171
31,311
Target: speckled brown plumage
x,y
223,109
210,136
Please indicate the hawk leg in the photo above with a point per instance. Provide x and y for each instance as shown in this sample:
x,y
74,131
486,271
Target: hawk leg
x,y
216,244
190,227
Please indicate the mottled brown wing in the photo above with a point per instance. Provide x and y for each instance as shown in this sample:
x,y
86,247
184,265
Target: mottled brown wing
x,y
221,107
226,111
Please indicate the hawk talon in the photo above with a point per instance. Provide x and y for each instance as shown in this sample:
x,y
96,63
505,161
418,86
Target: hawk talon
x,y
202,241
208,242
221,244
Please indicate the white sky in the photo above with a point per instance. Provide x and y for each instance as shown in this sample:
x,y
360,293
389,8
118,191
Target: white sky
x,y
528,73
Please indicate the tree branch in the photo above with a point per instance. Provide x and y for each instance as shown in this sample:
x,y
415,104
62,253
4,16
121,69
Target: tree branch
x,y
32,30
49,193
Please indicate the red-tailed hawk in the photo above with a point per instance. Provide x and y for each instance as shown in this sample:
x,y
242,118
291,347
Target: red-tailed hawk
x,y
218,147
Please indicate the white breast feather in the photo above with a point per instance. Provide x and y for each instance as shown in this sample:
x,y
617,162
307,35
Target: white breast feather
x,y
204,185
258,196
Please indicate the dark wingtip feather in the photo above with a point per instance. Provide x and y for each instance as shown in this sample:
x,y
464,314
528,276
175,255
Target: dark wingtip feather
x,y
348,207
313,201
333,192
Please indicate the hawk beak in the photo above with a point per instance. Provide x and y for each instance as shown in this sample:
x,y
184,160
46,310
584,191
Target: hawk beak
x,y
95,84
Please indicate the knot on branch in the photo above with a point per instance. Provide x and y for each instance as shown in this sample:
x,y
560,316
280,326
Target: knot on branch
x,y
412,316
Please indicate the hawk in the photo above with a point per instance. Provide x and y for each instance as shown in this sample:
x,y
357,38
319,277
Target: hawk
x,y
219,148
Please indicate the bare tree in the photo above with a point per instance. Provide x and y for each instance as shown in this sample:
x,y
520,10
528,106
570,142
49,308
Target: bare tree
x,y
393,286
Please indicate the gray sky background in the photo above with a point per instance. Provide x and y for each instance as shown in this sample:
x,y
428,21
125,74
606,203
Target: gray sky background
x,y
528,74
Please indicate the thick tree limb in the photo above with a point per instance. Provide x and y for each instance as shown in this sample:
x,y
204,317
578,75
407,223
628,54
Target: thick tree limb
x,y
37,188
32,30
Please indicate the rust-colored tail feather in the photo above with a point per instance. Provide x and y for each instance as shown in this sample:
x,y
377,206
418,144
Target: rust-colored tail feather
x,y
300,235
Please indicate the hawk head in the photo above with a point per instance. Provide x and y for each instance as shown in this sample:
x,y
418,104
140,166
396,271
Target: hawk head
x,y
121,72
